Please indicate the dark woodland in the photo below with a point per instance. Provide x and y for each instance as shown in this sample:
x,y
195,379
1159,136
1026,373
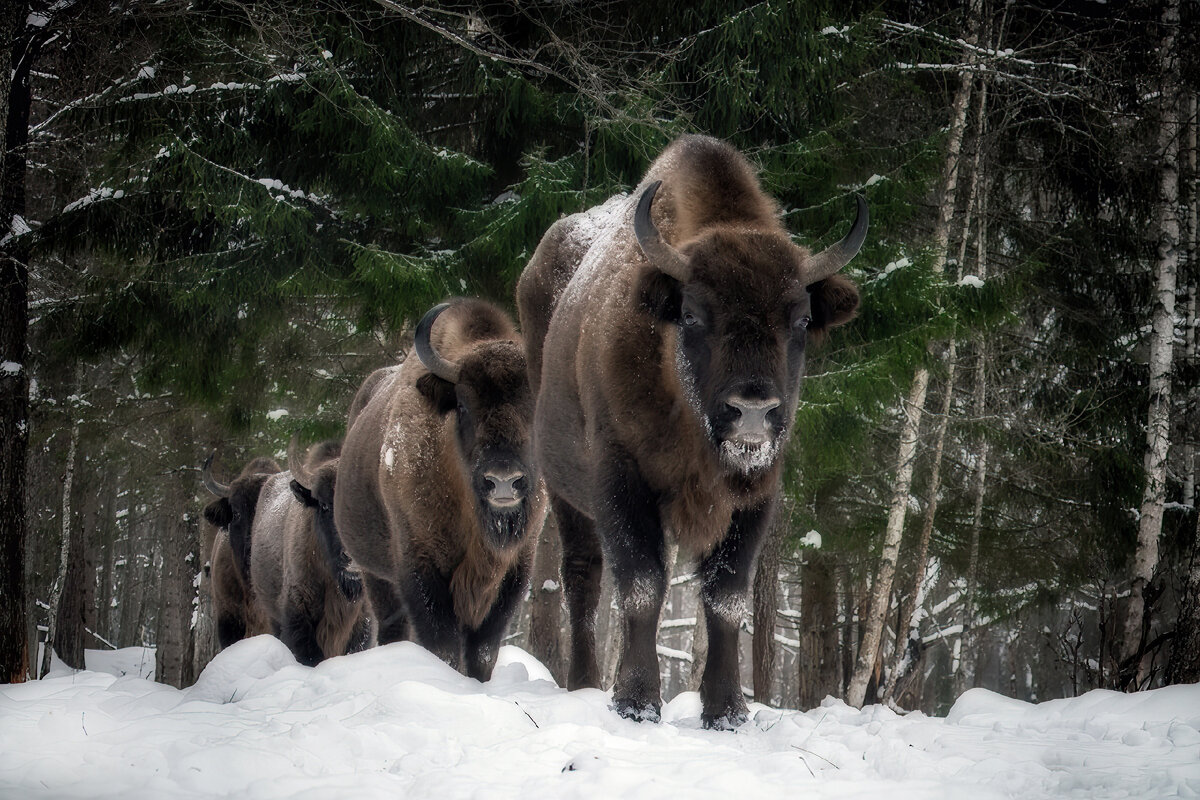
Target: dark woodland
x,y
219,218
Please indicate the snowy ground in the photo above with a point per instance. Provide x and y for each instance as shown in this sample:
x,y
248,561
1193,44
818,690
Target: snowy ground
x,y
396,722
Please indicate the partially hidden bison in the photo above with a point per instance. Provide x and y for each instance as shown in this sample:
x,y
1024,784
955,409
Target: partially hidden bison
x,y
666,334
299,570
232,514
438,501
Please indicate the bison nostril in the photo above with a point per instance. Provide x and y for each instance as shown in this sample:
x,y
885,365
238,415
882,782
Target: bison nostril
x,y
521,485
489,485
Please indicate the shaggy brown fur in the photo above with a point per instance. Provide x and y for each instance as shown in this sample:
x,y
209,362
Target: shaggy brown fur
x,y
637,375
237,613
294,583
408,507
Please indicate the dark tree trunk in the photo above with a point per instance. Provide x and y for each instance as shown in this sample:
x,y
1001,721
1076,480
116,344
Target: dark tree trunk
x,y
15,99
545,613
75,609
819,665
766,607
180,562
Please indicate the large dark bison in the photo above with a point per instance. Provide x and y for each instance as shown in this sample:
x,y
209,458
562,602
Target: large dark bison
x,y
438,502
232,514
299,570
666,336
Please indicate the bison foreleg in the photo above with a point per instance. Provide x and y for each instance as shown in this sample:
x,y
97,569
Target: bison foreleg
x,y
387,606
299,628
725,577
483,644
230,628
582,564
628,521
431,614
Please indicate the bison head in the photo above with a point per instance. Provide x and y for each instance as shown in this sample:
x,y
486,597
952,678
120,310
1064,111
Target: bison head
x,y
235,504
746,302
314,480
487,391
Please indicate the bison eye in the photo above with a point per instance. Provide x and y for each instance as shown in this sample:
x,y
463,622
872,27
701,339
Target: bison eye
x,y
802,322
690,319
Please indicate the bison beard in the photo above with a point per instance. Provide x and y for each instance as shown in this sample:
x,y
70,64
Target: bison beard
x,y
504,527
666,335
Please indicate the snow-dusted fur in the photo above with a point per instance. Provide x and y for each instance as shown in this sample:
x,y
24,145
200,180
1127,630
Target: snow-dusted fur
x,y
637,375
409,505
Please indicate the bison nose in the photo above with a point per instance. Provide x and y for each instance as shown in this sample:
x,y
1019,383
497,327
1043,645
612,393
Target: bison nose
x,y
505,487
751,422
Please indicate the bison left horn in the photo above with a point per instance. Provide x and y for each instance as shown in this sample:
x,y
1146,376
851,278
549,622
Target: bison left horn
x,y
433,361
210,483
663,256
832,259
296,464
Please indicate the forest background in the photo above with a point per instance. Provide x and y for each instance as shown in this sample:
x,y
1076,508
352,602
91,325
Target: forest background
x,y
221,216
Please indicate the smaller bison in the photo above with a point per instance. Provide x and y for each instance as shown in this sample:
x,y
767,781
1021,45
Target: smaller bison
x,y
232,514
299,571
438,501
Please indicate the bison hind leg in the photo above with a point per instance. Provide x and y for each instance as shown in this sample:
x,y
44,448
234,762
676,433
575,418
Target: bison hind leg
x,y
582,566
230,628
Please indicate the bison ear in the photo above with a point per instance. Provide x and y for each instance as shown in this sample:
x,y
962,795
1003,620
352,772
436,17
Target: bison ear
x,y
834,302
219,513
660,295
439,392
303,495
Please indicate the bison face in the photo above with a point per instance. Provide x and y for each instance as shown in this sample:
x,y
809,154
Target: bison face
x,y
318,496
492,407
745,306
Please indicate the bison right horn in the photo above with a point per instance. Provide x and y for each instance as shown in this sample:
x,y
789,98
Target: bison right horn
x,y
834,257
662,255
210,483
433,361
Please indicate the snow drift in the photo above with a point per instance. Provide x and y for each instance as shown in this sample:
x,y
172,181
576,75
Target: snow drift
x,y
396,722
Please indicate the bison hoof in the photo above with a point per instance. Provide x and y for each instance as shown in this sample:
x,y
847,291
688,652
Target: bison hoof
x,y
638,712
351,585
725,722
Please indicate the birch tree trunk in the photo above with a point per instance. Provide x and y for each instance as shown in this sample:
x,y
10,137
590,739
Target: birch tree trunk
x,y
1184,666
907,637
1135,664
914,404
64,549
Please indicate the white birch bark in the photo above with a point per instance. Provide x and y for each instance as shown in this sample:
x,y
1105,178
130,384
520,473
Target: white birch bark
x,y
64,550
881,587
1158,422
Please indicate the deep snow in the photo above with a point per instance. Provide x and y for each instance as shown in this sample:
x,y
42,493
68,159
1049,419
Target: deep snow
x,y
396,722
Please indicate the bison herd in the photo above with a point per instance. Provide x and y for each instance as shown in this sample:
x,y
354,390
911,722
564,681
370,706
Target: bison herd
x,y
649,401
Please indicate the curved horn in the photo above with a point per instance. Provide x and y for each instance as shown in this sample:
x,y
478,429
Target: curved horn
x,y
833,258
210,483
662,255
444,369
296,463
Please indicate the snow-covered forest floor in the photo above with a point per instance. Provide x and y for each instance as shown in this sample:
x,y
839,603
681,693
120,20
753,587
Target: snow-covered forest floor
x,y
396,722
